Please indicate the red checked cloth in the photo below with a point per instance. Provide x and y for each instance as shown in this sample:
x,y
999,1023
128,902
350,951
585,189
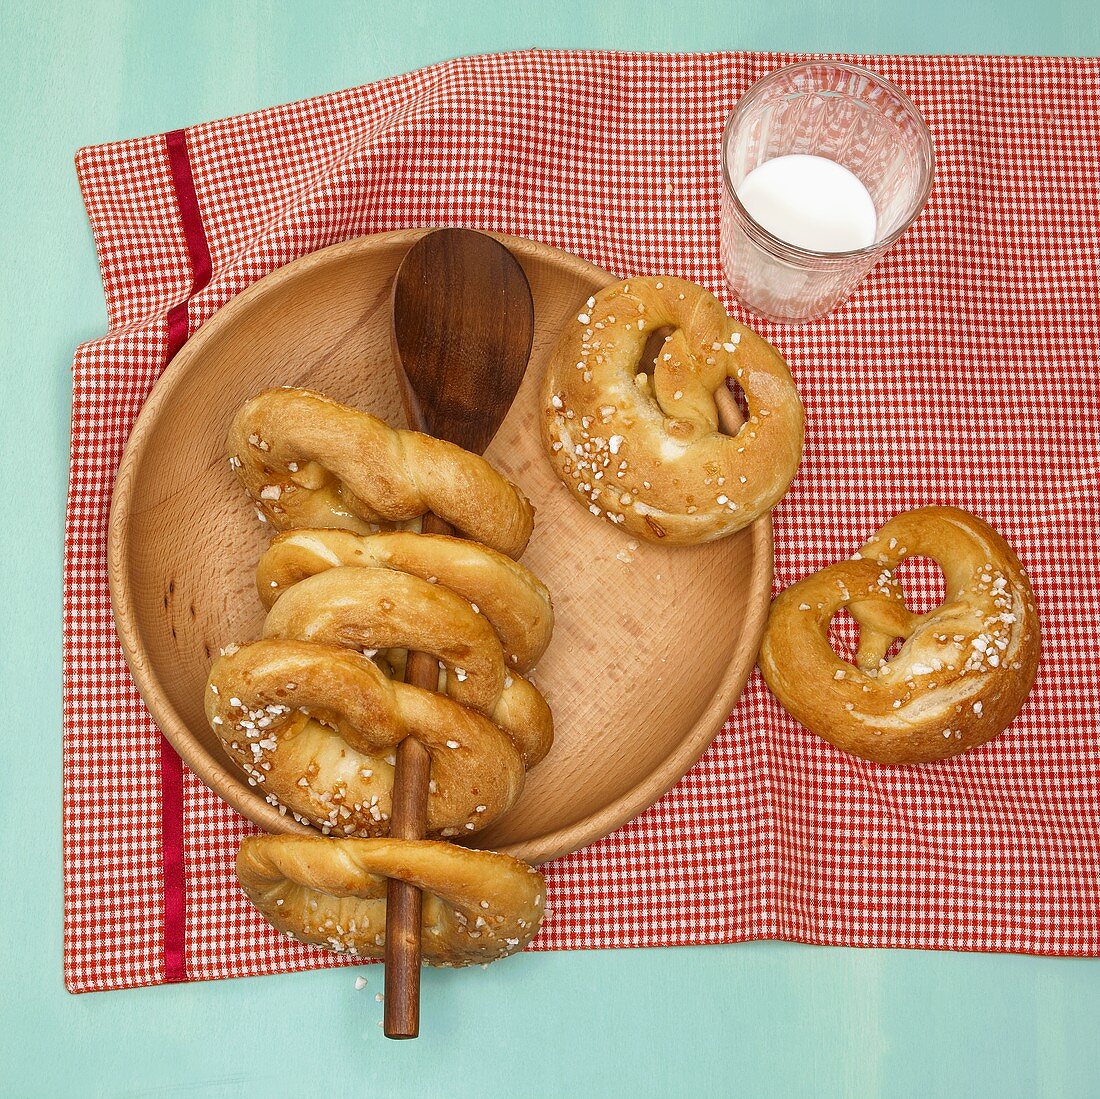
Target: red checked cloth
x,y
963,371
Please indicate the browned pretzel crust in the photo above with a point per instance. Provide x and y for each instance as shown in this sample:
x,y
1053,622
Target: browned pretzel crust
x,y
309,461
510,596
314,722
314,711
645,452
965,667
478,905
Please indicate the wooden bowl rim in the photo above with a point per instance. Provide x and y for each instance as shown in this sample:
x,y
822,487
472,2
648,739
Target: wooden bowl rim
x,y
227,784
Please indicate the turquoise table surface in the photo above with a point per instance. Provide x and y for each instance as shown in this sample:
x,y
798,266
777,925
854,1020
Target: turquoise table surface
x,y
756,1019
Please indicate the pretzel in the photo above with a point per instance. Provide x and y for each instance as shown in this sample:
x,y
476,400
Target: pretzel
x,y
963,671
478,905
645,452
308,461
315,722
509,595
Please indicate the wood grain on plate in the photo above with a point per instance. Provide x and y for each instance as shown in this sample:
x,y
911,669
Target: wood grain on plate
x,y
649,654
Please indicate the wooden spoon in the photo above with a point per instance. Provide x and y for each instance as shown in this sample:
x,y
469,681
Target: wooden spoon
x,y
463,322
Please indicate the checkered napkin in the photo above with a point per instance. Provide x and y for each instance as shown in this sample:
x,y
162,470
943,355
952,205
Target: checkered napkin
x,y
963,371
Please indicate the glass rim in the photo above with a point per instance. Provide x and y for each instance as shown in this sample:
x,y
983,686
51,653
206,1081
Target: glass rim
x,y
778,244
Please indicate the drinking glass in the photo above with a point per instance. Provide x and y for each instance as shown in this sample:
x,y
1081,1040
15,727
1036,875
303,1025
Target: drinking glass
x,y
847,114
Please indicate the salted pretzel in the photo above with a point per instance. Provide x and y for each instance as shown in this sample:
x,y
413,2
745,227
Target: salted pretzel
x,y
639,443
478,905
510,596
314,722
308,461
963,671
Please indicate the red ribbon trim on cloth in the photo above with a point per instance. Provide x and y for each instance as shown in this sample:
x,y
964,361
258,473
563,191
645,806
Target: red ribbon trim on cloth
x,y
171,766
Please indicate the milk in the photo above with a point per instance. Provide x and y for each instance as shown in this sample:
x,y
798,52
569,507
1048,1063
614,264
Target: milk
x,y
811,202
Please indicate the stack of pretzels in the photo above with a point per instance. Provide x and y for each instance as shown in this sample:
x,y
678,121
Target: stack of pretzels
x,y
314,710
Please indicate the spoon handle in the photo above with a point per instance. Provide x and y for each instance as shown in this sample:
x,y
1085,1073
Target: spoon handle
x,y
408,820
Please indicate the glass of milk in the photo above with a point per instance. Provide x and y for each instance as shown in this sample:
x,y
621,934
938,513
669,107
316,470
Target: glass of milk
x,y
824,166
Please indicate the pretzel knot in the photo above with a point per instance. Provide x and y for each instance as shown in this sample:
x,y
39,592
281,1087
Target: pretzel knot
x,y
478,905
308,461
639,443
960,676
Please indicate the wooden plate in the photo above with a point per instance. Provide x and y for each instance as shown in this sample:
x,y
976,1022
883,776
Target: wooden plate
x,y
648,655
